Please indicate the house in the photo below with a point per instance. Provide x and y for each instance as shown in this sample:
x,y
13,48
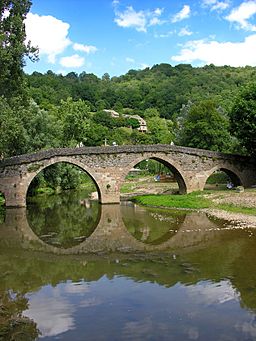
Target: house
x,y
143,124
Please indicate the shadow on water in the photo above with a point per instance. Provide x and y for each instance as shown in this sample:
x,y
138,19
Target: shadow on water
x,y
193,278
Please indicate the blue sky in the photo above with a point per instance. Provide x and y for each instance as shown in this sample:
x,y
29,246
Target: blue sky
x,y
115,36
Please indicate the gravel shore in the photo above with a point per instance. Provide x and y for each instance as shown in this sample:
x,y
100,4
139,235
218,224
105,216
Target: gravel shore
x,y
234,218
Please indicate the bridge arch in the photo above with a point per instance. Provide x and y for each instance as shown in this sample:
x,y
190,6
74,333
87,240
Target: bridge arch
x,y
67,160
229,171
172,165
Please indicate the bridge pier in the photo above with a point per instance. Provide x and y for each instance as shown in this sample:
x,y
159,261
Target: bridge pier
x,y
15,197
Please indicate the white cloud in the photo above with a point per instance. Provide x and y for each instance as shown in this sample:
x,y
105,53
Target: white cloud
x,y
208,2
185,32
144,66
48,33
248,328
84,48
72,61
164,35
129,60
220,6
242,14
219,53
131,18
216,5
53,315
76,288
158,11
183,14
155,21
139,20
212,293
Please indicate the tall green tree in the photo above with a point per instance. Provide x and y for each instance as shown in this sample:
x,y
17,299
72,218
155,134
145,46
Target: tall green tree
x,y
205,126
13,137
243,118
159,130
13,47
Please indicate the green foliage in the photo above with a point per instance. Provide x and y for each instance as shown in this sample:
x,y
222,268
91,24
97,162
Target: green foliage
x,y
96,134
151,112
205,126
60,176
13,137
14,325
140,138
243,118
74,116
13,48
183,104
159,130
105,119
132,122
218,178
1,199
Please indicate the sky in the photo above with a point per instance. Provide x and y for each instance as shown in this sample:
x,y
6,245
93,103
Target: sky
x,y
114,36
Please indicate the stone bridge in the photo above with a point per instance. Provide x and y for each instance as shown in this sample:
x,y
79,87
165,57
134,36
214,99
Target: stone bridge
x,y
108,167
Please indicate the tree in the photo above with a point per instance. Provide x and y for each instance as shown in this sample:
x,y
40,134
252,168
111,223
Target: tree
x,y
96,134
243,118
159,130
75,120
13,137
13,47
204,126
151,112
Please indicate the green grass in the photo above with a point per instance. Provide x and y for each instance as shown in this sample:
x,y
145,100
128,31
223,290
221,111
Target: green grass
x,y
45,190
127,188
195,200
189,201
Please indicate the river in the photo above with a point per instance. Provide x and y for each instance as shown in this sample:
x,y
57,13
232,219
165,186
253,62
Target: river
x,y
72,269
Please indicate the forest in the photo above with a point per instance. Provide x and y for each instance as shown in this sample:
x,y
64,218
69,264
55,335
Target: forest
x,y
181,104
206,107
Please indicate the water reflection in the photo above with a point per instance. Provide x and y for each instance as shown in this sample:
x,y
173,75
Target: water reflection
x,y
63,220
14,324
192,279
120,229
151,226
136,296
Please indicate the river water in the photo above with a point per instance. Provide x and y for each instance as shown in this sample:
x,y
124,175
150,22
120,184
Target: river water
x,y
75,270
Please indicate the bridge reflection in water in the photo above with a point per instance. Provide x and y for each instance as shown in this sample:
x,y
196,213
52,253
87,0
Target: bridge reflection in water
x,y
122,228
200,275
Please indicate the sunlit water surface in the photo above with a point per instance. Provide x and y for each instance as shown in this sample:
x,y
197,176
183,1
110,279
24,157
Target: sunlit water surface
x,y
154,274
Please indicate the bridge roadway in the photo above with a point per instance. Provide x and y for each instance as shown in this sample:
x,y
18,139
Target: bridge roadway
x,y
108,167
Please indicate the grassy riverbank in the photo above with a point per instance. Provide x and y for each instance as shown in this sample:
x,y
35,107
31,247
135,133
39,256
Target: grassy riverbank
x,y
225,200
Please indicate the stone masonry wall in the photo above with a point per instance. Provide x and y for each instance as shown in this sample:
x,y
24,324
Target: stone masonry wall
x,y
108,167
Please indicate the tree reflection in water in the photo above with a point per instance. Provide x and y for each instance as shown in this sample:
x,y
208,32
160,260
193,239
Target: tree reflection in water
x,y
210,273
63,220
14,326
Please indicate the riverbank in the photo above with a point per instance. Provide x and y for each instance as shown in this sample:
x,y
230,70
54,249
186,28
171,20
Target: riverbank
x,y
239,208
